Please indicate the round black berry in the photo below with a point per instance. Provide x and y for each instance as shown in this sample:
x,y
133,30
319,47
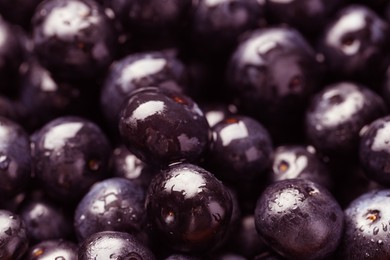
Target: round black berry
x,y
161,127
189,208
299,219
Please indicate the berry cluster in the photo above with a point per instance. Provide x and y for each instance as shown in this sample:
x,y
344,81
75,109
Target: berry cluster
x,y
194,129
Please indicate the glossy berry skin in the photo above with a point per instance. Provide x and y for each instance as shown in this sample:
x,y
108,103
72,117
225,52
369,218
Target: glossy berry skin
x,y
45,219
44,98
73,39
189,209
216,112
53,249
217,25
337,113
296,161
307,16
135,71
366,233
273,72
70,154
113,245
115,204
124,164
161,127
13,236
15,158
299,219
241,149
374,150
354,44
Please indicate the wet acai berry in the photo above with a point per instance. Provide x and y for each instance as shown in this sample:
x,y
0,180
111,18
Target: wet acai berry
x,y
367,228
70,154
241,149
115,204
297,161
125,164
337,114
161,127
113,245
135,71
189,209
74,39
299,219
354,45
273,72
53,249
15,158
13,236
374,150
45,219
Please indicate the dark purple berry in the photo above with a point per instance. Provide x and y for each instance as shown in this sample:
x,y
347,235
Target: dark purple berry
x,y
299,219
70,155
74,39
162,127
241,149
115,204
53,249
337,114
367,221
13,236
113,245
189,209
374,150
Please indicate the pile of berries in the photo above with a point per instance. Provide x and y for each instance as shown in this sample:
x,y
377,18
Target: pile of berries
x,y
194,129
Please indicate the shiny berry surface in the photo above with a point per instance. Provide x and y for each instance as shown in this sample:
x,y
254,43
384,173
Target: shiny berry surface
x,y
125,164
241,149
336,115
366,233
115,204
161,127
294,161
53,249
135,71
74,39
354,44
70,154
273,72
113,245
189,209
13,236
299,219
15,158
45,219
374,151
